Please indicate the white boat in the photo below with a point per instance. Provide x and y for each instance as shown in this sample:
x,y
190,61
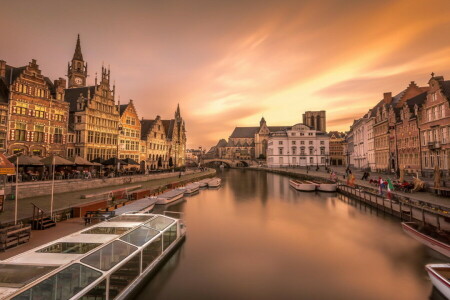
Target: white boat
x,y
440,277
215,182
170,196
324,187
142,205
110,260
439,243
204,183
191,188
302,185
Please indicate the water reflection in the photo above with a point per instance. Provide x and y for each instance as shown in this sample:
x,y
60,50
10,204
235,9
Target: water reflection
x,y
257,238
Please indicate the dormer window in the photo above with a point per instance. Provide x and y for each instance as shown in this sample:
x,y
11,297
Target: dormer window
x,y
433,97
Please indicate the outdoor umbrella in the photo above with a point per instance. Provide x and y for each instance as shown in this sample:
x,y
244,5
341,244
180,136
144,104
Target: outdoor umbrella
x,y
79,161
131,161
25,160
98,160
57,161
113,161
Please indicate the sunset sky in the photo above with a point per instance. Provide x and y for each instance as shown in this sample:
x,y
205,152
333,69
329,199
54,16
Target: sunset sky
x,y
230,62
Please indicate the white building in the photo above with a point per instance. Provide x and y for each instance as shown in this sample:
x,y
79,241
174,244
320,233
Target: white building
x,y
298,145
360,129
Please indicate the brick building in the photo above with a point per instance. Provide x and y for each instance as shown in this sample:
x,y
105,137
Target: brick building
x,y
130,132
154,134
337,156
38,115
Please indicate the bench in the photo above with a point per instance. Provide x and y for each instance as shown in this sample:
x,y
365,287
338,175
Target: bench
x,y
14,235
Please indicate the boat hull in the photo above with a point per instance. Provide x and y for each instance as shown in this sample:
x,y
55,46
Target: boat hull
x,y
327,187
192,190
428,241
440,282
214,183
304,187
162,201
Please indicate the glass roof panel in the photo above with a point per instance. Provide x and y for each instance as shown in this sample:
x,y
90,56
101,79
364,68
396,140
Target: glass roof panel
x,y
131,218
108,256
140,236
160,223
63,285
107,230
15,276
69,248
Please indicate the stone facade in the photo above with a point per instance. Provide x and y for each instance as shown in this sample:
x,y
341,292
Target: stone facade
x,y
154,134
298,145
38,115
337,157
130,132
434,124
316,120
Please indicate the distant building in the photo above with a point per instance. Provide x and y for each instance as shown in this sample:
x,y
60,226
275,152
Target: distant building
x,y
337,157
298,145
317,120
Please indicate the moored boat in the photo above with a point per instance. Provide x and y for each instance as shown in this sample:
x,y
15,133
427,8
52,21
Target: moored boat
x,y
302,185
324,187
204,183
170,196
191,188
109,260
215,182
440,277
142,205
433,240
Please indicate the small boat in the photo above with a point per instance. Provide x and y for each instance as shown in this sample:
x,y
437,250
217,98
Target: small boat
x,y
440,277
430,238
204,183
324,187
142,205
302,185
170,196
215,182
191,188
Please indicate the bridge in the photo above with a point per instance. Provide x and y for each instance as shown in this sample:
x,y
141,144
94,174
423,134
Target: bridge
x,y
230,162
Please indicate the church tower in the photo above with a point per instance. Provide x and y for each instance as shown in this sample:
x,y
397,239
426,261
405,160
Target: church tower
x,y
77,70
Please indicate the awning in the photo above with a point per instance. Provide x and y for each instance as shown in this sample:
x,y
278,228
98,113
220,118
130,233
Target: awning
x,y
113,162
58,161
131,161
6,167
25,160
79,161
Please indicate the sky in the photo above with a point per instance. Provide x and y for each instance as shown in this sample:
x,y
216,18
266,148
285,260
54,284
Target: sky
x,y
229,63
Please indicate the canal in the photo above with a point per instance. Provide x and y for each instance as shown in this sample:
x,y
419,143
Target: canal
x,y
257,238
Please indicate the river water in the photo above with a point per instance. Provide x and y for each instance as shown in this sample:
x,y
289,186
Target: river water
x,y
257,238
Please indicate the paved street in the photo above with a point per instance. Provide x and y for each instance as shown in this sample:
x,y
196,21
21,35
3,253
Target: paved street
x,y
340,171
65,200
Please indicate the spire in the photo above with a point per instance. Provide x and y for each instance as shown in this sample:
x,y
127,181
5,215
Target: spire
x,y
262,122
177,113
78,55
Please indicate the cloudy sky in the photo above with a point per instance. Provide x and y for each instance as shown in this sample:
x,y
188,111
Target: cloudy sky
x,y
230,62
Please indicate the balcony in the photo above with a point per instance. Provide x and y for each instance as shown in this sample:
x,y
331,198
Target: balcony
x,y
434,145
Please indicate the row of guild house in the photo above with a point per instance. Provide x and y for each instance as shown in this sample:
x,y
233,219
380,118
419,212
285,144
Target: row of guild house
x,y
409,131
42,117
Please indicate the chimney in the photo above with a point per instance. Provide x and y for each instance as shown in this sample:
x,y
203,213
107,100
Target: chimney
x,y
387,98
2,69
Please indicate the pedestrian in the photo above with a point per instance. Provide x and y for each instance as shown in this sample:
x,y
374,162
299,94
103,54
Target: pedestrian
x,y
390,188
380,186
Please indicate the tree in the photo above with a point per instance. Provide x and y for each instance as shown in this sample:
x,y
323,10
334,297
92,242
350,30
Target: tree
x,y
170,162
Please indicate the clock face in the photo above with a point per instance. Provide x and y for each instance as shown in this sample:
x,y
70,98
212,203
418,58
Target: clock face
x,y
78,80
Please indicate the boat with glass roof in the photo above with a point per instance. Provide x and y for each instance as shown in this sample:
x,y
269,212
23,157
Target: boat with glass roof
x,y
109,260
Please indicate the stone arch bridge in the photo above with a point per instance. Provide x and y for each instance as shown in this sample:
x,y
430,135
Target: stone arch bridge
x,y
231,163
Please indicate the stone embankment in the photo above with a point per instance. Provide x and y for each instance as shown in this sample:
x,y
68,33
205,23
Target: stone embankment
x,y
42,188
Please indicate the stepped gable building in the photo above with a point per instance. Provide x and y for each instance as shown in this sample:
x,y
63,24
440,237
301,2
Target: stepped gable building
x,y
386,116
175,130
38,115
434,123
337,157
154,134
130,132
94,117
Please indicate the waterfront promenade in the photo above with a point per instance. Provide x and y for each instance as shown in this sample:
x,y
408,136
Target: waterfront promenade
x,y
69,199
419,196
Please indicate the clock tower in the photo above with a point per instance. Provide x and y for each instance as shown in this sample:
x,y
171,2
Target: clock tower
x,y
77,70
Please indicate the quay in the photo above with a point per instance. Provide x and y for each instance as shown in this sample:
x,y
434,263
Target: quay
x,y
421,206
64,202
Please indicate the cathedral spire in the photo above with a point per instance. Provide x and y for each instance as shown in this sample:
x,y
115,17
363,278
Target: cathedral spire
x,y
177,113
78,55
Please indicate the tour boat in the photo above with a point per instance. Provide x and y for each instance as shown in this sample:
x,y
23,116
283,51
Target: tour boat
x,y
110,260
435,241
204,183
170,196
440,277
302,185
191,188
215,182
324,187
142,205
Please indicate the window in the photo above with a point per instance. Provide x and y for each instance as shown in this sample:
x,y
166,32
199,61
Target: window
x,y
21,132
78,119
39,112
96,293
280,151
169,236
58,136
121,278
293,150
39,133
280,142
